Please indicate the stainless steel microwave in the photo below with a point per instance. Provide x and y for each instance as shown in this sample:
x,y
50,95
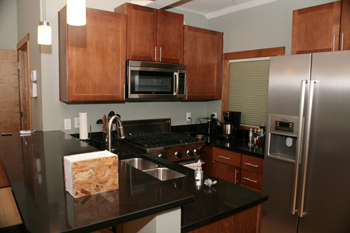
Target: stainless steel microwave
x,y
154,80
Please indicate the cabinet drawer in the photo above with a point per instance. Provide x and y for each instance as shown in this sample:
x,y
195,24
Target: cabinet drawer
x,y
251,179
226,172
253,164
227,157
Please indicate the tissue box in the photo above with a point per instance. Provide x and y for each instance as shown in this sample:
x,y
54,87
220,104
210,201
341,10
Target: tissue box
x,y
91,173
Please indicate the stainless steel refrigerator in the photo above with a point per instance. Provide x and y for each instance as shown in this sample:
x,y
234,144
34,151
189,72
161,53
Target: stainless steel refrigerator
x,y
307,158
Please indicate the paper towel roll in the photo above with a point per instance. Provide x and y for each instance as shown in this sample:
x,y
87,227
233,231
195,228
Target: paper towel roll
x,y
83,126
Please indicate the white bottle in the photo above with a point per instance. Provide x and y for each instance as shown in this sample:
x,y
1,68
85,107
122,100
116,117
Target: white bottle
x,y
198,173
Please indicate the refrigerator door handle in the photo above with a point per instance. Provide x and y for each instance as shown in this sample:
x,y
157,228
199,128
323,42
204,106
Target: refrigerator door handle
x,y
306,147
299,145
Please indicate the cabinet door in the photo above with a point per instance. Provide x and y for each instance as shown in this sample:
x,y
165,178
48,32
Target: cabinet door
x,y
92,57
253,164
141,32
316,29
251,179
170,37
226,172
203,56
345,26
227,157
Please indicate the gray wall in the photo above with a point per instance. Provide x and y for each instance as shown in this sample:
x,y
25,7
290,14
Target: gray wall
x,y
8,24
53,112
260,27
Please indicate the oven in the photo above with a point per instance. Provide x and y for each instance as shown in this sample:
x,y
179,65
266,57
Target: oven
x,y
155,137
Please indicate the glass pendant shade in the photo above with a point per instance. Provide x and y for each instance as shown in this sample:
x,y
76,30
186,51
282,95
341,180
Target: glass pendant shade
x,y
76,12
44,33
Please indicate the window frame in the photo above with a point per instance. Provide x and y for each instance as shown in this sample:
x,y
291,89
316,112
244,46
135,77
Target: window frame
x,y
258,53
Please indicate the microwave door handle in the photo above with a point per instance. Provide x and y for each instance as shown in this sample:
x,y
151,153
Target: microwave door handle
x,y
176,83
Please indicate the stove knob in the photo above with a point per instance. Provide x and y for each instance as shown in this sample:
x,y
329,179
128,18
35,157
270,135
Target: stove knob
x,y
161,156
178,155
197,152
189,153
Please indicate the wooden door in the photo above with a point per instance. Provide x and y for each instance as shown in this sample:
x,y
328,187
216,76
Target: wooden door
x,y
316,29
24,83
92,57
142,31
9,92
170,37
203,52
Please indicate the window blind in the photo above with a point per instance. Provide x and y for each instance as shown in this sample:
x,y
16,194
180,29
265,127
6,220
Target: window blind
x,y
249,82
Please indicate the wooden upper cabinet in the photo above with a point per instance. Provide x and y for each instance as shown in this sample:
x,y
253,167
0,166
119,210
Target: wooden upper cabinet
x,y
92,57
317,29
203,53
153,35
345,26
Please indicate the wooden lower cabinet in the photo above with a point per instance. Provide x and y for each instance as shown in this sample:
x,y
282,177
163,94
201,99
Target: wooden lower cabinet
x,y
252,172
226,172
251,179
241,169
247,221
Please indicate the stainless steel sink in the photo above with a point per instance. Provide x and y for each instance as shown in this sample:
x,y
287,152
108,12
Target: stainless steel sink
x,y
140,163
153,169
163,173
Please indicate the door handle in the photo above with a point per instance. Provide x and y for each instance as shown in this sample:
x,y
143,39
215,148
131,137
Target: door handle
x,y
306,147
299,145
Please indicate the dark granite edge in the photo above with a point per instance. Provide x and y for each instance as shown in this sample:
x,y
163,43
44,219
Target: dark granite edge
x,y
133,216
221,216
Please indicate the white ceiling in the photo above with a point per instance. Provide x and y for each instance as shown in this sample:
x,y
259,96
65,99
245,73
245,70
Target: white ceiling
x,y
208,8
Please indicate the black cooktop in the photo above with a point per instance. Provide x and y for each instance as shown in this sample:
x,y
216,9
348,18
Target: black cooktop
x,y
162,139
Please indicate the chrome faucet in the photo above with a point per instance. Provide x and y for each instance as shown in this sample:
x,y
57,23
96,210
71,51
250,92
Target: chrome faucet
x,y
119,126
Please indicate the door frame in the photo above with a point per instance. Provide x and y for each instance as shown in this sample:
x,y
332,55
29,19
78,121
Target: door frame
x,y
24,77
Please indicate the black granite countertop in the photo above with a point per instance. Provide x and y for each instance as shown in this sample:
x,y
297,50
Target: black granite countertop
x,y
46,207
34,166
237,144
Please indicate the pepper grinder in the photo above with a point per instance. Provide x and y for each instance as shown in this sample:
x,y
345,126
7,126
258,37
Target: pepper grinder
x,y
250,143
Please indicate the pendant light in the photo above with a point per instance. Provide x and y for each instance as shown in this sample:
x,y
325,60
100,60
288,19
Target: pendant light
x,y
44,30
76,12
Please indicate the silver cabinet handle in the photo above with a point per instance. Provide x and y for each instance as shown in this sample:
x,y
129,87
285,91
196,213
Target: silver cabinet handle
x,y
299,144
220,156
160,54
333,41
252,165
155,53
254,181
342,41
306,147
236,172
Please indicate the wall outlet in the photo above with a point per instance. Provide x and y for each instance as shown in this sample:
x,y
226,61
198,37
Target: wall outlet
x,y
215,114
76,122
67,124
188,116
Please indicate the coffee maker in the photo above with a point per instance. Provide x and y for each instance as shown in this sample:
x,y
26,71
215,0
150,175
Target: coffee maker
x,y
232,124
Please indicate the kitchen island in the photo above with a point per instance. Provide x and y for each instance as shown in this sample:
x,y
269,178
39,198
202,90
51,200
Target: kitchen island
x,y
34,168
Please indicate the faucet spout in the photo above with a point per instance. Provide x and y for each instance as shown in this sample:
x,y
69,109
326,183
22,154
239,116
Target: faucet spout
x,y
120,130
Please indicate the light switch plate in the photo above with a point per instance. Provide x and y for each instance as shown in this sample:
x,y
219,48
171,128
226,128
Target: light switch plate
x,y
76,122
67,124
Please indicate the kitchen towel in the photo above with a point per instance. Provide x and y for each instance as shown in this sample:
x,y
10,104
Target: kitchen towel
x,y
83,126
